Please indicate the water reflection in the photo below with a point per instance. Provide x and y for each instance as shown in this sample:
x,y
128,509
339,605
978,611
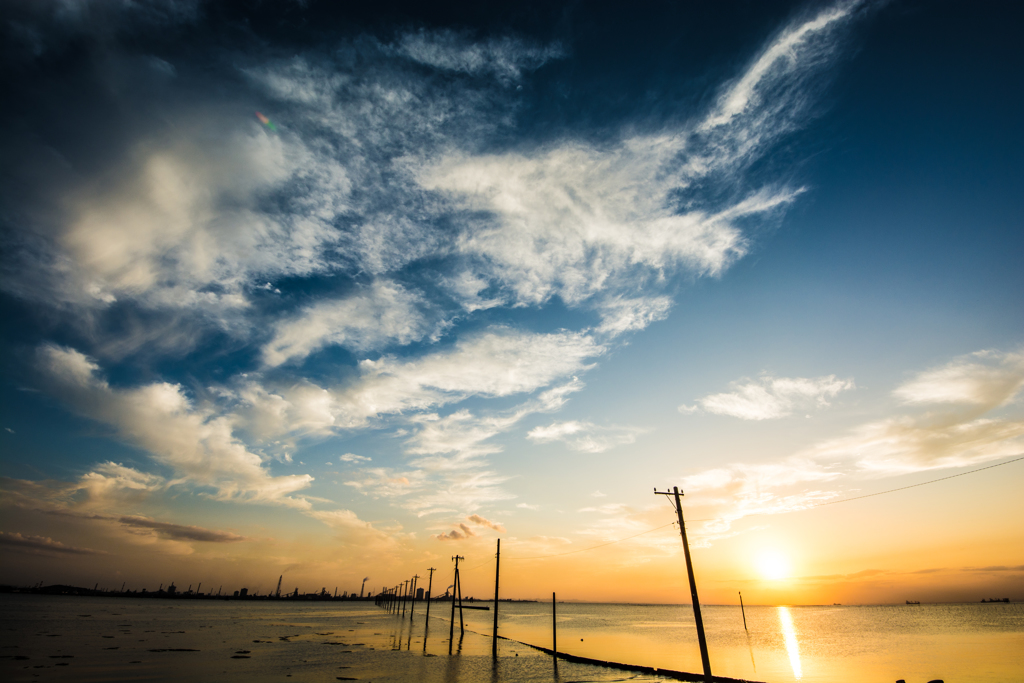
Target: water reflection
x,y
792,647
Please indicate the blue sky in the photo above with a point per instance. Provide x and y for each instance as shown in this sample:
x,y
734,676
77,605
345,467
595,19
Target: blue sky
x,y
498,271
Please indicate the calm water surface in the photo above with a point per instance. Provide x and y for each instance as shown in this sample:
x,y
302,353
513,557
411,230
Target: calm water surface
x,y
838,644
83,639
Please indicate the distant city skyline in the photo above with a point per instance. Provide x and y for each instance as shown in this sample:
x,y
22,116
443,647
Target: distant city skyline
x,y
327,292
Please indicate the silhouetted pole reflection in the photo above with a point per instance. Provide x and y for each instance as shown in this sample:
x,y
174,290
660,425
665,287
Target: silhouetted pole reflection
x,y
705,660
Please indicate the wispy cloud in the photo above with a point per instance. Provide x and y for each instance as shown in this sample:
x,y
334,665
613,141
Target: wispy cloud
x,y
477,519
985,378
505,58
963,433
769,397
584,436
41,544
461,533
379,217
179,531
383,314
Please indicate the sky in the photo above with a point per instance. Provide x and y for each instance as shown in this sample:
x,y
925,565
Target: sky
x,y
332,293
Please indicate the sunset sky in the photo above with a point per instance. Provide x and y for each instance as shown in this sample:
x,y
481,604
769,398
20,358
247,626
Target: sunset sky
x,y
336,293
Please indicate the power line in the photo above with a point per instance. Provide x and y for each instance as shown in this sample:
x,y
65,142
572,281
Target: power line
x,y
593,547
810,507
904,488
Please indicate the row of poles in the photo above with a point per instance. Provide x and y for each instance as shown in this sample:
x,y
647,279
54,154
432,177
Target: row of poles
x,y
394,599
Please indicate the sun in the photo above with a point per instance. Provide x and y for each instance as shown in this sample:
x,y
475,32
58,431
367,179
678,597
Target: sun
x,y
773,565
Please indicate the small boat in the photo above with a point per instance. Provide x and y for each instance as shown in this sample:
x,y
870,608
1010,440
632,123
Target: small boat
x,y
913,602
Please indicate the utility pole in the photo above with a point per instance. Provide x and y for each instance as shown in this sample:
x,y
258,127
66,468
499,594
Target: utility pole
x,y
405,596
497,567
743,611
412,607
462,626
705,660
430,587
554,627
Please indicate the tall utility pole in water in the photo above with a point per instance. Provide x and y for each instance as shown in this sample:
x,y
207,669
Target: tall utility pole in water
x,y
430,586
693,583
497,566
457,586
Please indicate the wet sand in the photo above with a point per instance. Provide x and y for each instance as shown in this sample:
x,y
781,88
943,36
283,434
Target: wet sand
x,y
107,639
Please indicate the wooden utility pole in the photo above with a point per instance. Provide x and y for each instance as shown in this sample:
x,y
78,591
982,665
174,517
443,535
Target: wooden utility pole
x,y
743,611
430,587
554,627
412,607
455,586
693,583
497,567
405,595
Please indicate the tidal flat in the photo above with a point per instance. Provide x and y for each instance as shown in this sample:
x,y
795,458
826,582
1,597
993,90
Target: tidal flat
x,y
58,638
134,639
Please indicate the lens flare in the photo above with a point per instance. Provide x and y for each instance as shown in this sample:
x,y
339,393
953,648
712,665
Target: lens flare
x,y
265,121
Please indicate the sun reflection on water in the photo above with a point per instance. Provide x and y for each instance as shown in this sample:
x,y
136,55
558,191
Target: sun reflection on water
x,y
792,647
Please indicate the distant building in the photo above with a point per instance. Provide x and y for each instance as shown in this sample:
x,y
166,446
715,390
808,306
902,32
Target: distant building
x,y
243,593
419,593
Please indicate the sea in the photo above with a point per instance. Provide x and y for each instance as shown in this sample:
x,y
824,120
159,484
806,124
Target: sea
x,y
71,638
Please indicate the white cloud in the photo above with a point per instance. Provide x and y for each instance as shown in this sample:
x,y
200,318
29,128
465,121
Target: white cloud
x,y
164,237
983,378
584,436
959,436
460,434
195,442
901,445
352,457
769,397
620,315
382,314
372,170
498,362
